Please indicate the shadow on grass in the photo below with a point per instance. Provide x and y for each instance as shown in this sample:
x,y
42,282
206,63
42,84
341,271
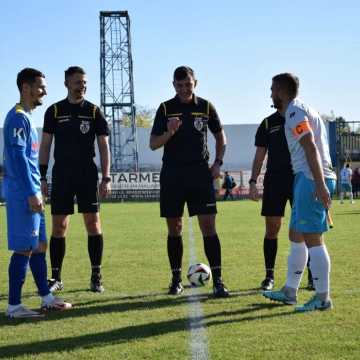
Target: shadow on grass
x,y
122,304
25,295
103,305
135,332
99,307
171,300
125,303
352,212
246,292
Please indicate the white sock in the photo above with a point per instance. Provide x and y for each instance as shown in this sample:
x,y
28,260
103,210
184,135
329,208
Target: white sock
x,y
341,196
297,260
11,308
351,197
320,269
47,299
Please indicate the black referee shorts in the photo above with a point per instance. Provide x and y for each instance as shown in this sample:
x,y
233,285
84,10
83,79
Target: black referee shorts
x,y
68,183
278,189
192,185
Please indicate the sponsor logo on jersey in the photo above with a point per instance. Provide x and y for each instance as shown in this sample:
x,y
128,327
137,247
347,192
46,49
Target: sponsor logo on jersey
x,y
19,132
84,126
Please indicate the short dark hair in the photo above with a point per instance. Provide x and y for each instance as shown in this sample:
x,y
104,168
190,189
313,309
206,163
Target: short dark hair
x,y
74,70
289,82
182,72
27,76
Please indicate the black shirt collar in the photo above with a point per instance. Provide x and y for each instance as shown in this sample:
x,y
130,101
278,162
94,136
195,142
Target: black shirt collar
x,y
194,100
81,104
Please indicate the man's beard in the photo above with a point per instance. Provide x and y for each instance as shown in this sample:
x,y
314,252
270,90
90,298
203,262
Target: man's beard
x,y
277,103
37,102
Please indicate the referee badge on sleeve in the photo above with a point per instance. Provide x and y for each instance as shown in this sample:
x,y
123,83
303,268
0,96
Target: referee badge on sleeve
x,y
84,126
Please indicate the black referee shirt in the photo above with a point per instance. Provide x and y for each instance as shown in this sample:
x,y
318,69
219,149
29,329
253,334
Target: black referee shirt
x,y
189,144
74,127
271,135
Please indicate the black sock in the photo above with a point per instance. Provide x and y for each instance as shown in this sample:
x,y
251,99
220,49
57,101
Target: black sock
x,y
57,254
213,253
175,254
310,279
95,249
270,250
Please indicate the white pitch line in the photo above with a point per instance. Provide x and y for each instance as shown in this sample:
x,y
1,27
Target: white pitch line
x,y
199,341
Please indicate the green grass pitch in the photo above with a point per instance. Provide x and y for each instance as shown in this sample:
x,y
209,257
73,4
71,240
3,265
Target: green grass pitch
x,y
135,319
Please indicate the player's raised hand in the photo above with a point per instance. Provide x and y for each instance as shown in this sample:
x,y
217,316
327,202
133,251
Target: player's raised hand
x,y
36,203
173,124
253,192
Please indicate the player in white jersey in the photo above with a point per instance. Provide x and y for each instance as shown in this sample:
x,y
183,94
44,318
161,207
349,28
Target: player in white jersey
x,y
345,183
314,182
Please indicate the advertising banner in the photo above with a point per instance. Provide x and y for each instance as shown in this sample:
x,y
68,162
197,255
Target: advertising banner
x,y
144,186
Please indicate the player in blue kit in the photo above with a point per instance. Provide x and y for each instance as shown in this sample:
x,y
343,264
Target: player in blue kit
x,y
24,205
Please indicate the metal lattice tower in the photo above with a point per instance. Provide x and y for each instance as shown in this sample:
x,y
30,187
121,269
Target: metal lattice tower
x,y
117,89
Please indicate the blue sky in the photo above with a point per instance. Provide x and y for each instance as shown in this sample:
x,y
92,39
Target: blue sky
x,y
235,47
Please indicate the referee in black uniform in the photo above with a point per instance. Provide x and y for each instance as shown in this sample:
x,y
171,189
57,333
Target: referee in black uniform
x,y
74,123
278,185
181,126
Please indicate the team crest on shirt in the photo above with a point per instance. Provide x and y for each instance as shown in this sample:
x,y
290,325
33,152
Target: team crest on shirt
x,y
84,126
198,123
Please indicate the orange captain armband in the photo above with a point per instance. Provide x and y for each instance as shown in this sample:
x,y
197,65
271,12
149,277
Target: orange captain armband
x,y
302,127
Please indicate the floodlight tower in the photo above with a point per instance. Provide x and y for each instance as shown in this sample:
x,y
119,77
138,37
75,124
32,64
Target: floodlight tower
x,y
117,89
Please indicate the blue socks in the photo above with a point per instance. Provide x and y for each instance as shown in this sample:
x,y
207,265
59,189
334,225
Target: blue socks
x,y
17,273
39,270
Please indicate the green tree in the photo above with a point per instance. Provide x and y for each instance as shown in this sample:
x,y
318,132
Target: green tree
x,y
144,117
342,124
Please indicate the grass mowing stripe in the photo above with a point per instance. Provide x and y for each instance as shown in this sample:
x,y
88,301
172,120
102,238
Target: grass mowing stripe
x,y
199,342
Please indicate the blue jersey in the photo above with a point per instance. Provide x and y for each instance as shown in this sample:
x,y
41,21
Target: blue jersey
x,y
21,152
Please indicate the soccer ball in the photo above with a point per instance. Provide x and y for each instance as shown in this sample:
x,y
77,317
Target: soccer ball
x,y
199,274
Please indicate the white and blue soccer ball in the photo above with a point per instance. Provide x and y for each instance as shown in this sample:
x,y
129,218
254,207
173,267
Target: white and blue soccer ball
x,y
199,274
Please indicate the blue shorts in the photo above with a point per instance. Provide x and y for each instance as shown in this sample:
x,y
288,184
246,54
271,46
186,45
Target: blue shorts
x,y
346,187
308,215
25,228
